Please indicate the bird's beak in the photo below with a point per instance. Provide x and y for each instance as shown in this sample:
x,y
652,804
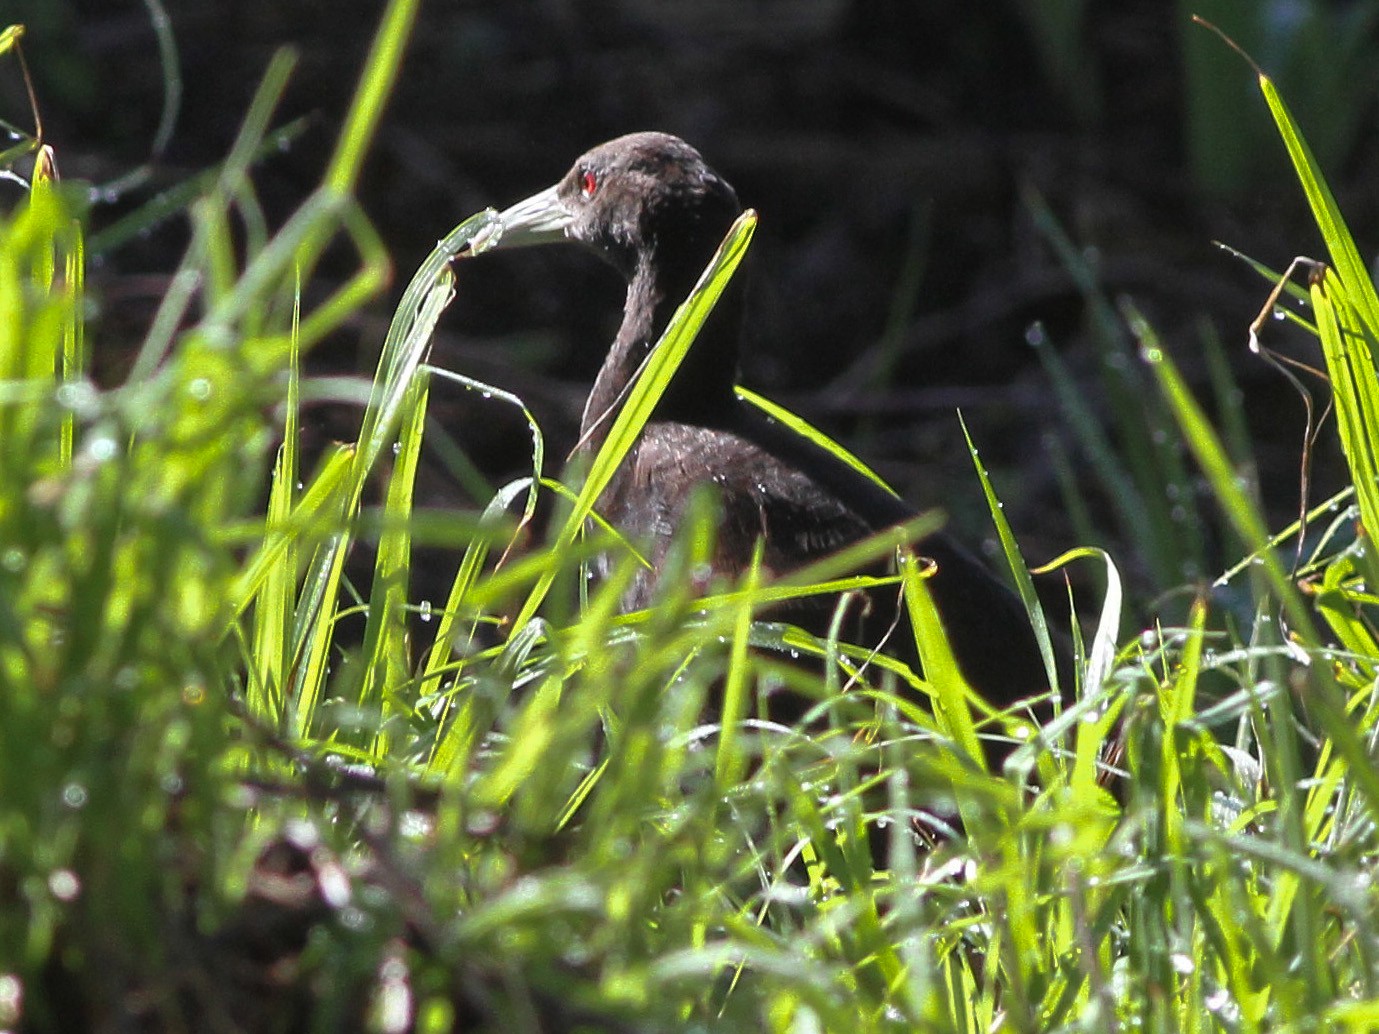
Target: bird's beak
x,y
540,219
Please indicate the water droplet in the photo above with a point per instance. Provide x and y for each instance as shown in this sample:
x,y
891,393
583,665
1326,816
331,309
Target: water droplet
x,y
102,448
78,396
11,998
424,610
354,918
64,885
75,795
13,560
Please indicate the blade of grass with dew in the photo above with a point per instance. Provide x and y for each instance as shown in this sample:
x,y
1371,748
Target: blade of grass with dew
x,y
730,763
1348,347
1287,910
808,431
271,634
1325,699
1345,256
387,666
438,663
315,516
1177,706
1094,721
1338,608
646,392
438,657
314,620
74,358
1024,585
951,692
409,335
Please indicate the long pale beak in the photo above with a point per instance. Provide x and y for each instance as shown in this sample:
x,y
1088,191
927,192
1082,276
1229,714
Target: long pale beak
x,y
540,219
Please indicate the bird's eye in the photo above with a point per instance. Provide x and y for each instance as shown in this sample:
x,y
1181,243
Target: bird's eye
x,y
588,184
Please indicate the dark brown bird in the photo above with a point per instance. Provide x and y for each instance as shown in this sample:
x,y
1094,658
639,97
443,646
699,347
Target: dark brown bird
x,y
649,204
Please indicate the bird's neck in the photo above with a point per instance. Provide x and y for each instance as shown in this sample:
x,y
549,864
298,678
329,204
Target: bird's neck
x,y
701,391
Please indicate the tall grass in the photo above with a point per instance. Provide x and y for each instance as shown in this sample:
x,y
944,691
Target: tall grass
x,y
248,783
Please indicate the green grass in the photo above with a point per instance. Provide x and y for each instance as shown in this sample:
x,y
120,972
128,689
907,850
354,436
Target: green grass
x,y
247,784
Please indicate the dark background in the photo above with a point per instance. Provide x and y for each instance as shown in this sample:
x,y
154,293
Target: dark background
x,y
890,147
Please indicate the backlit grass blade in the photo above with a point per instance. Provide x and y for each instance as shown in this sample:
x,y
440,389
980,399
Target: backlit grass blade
x,y
477,551
1347,346
730,762
1024,584
805,429
951,691
316,515
274,603
1325,699
646,392
74,359
387,666
1345,256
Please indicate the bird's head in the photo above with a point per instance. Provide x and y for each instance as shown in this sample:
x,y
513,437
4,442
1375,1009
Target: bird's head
x,y
630,200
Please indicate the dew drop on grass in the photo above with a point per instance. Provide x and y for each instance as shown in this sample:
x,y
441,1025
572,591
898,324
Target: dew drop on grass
x,y
11,997
199,389
1224,1006
64,885
424,610
75,796
78,396
12,560
354,919
102,448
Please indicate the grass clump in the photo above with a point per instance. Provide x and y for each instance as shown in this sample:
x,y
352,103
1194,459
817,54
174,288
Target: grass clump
x,y
245,784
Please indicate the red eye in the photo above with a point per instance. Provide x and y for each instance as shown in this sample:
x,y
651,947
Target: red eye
x,y
588,184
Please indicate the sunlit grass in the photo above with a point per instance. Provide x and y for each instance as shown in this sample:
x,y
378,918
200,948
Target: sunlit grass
x,y
522,807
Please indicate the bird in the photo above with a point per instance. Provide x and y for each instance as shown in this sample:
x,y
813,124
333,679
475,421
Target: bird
x,y
650,205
